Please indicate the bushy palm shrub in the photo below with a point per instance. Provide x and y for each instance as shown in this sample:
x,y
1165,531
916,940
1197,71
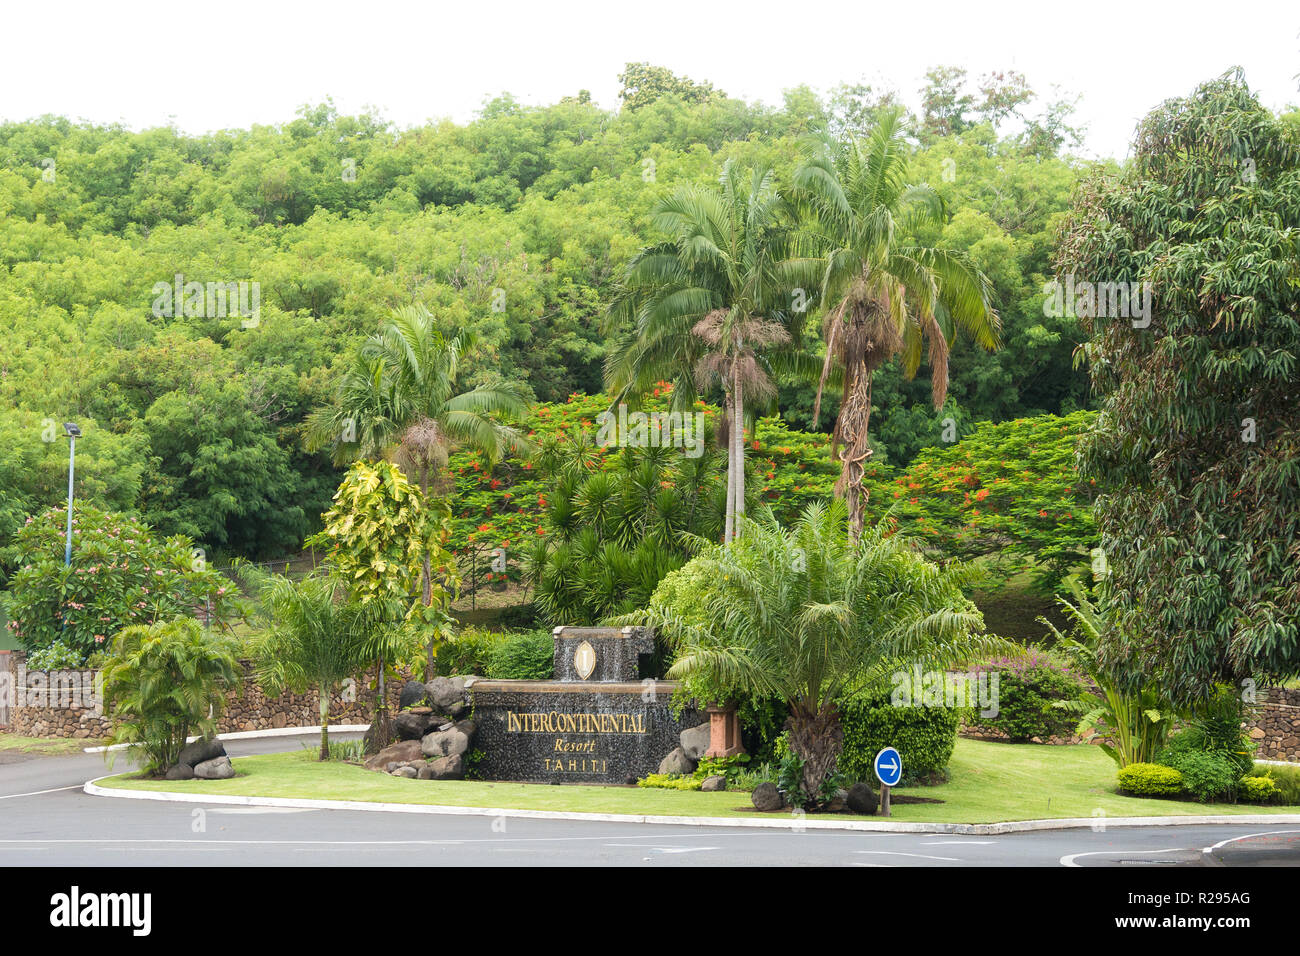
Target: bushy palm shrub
x,y
165,681
806,616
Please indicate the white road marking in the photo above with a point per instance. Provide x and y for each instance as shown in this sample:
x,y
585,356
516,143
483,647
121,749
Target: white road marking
x,y
1068,859
664,849
1248,836
959,843
34,793
922,856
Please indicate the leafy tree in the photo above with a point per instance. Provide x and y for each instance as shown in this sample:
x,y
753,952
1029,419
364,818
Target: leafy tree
x,y
165,681
806,615
882,293
120,575
643,83
1197,445
944,101
380,533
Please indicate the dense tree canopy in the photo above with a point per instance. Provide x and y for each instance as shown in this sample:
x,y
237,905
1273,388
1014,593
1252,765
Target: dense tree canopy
x,y
1196,451
515,226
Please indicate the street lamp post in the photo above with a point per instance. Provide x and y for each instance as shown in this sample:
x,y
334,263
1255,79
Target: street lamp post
x,y
73,433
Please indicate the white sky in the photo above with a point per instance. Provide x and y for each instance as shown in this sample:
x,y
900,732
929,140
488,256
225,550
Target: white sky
x,y
231,64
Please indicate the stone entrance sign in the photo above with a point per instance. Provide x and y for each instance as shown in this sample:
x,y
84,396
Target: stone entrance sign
x,y
556,731
595,723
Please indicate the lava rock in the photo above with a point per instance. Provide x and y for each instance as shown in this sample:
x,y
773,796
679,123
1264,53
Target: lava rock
x,y
404,751
677,762
411,726
219,768
203,749
448,743
408,772
180,772
836,802
413,695
862,799
766,797
714,783
447,768
447,695
695,741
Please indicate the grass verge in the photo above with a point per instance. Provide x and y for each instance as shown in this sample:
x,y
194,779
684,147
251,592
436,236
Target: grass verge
x,y
990,783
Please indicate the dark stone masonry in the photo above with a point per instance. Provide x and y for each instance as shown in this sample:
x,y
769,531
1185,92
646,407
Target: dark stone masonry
x,y
556,732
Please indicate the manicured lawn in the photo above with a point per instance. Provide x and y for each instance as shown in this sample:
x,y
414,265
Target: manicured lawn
x,y
990,783
46,745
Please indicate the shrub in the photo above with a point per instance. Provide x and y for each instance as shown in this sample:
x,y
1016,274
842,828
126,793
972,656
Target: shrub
x,y
671,781
924,737
1206,776
164,682
1150,780
120,575
57,656
1259,790
524,655
1037,697
469,652
1285,778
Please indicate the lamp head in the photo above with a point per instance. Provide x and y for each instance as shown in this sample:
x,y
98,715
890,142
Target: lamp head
x,y
72,429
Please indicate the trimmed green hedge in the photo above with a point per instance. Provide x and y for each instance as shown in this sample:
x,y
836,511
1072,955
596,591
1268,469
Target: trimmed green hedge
x,y
1150,780
924,737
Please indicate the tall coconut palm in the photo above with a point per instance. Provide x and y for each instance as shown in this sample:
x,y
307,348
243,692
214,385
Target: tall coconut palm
x,y
714,302
398,399
883,293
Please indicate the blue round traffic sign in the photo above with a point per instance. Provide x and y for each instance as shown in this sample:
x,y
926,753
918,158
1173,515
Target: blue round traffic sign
x,y
889,767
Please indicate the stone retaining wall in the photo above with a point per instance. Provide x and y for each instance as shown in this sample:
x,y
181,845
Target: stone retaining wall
x,y
1276,729
68,703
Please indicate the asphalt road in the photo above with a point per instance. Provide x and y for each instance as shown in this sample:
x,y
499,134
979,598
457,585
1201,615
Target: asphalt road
x,y
46,820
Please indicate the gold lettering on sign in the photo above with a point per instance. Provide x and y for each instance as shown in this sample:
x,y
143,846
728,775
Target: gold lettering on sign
x,y
553,722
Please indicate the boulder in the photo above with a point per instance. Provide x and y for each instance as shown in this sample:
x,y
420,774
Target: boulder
x,y
447,768
219,768
403,751
425,772
695,741
413,695
448,743
837,801
677,762
862,799
714,783
205,748
447,695
180,772
766,797
408,772
411,726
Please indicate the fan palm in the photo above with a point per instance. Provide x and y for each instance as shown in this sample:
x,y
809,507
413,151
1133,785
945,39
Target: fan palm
x,y
398,398
806,615
714,302
882,293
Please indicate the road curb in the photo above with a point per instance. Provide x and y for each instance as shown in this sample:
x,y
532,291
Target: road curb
x,y
794,823
249,735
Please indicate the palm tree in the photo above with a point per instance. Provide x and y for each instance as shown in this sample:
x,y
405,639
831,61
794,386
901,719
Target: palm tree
x,y
714,302
315,640
398,398
808,616
882,293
